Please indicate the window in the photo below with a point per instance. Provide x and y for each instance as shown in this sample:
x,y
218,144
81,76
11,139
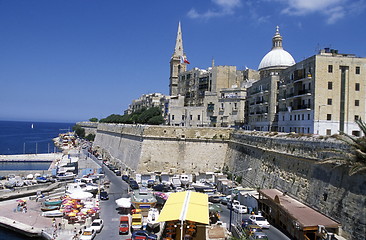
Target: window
x,y
357,70
182,117
329,132
290,117
302,117
283,118
330,85
309,116
198,117
357,103
329,117
329,101
172,117
357,117
330,68
295,117
190,117
357,87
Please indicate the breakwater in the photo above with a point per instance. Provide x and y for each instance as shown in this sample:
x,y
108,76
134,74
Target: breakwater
x,y
284,161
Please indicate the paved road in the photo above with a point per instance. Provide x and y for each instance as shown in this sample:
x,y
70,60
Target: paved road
x,y
118,188
109,213
273,233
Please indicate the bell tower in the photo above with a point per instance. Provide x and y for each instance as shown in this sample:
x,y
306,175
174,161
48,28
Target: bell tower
x,y
177,64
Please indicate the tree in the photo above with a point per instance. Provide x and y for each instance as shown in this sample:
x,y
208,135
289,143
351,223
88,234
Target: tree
x,y
355,159
156,120
90,137
79,131
93,119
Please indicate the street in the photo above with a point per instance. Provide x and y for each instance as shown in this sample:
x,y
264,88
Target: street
x,y
118,188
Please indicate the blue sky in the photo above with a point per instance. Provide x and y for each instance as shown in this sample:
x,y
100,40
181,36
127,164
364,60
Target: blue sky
x,y
70,60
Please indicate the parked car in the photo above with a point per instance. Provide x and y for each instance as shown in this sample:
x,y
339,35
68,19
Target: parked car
x,y
232,204
260,221
125,178
240,209
124,225
142,234
134,184
117,172
258,235
245,222
214,198
251,229
97,225
226,200
103,195
88,234
161,188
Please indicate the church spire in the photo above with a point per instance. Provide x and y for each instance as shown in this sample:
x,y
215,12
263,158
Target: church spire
x,y
178,43
277,39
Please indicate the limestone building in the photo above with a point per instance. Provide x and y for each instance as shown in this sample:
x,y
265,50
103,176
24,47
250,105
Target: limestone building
x,y
147,101
323,94
206,97
262,95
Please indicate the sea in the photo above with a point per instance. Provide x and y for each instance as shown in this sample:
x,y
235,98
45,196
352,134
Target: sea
x,y
27,138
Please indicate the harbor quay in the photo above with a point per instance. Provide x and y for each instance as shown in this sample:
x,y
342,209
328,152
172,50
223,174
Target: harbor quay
x,y
31,222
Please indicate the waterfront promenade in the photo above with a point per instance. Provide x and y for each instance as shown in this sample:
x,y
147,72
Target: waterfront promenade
x,y
32,223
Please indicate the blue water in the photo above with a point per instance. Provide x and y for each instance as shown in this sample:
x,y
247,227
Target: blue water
x,y
21,138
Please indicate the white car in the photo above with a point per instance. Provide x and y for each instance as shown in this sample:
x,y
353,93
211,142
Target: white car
x,y
97,225
88,234
240,209
260,221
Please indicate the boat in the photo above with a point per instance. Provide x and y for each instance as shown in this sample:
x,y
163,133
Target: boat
x,y
175,181
53,213
143,199
49,208
80,186
53,202
152,218
64,176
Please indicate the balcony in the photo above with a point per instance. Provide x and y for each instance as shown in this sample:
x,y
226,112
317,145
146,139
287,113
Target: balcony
x,y
302,107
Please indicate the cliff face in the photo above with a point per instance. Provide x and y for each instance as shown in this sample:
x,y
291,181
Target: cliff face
x,y
282,162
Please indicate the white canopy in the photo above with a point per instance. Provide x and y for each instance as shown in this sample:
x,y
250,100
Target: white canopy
x,y
81,195
124,202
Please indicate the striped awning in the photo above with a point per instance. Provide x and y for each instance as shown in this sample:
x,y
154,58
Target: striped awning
x,y
183,206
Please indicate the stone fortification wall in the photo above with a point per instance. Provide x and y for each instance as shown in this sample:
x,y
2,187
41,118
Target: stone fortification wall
x,y
289,164
90,127
163,148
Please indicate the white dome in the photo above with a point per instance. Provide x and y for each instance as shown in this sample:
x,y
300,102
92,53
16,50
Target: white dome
x,y
277,57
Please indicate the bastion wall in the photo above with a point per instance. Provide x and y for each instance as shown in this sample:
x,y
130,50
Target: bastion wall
x,y
265,160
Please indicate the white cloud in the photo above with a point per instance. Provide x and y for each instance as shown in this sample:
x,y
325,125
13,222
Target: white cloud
x,y
223,8
333,10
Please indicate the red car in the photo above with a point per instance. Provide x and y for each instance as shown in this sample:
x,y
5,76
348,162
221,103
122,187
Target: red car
x,y
124,225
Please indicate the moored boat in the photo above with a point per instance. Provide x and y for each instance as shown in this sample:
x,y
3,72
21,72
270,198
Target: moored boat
x,y
53,213
152,218
53,202
49,208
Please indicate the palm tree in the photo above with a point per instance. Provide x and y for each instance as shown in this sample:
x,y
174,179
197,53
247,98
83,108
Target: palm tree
x,y
355,159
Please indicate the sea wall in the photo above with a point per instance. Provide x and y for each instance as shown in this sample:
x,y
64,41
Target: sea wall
x,y
163,148
290,164
90,127
265,160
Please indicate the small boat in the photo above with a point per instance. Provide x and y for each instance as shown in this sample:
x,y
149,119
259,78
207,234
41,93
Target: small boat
x,y
53,202
152,218
49,208
53,213
63,176
80,186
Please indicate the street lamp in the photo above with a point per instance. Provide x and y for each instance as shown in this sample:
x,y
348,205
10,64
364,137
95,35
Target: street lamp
x,y
232,197
319,117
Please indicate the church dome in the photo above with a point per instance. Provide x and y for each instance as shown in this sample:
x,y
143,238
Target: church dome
x,y
277,57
